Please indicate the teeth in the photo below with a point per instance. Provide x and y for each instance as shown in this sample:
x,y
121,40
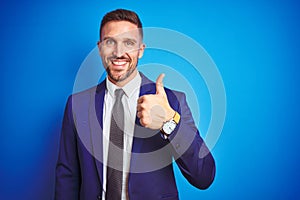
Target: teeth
x,y
119,62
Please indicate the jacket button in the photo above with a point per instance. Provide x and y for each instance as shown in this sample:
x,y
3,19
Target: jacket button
x,y
99,197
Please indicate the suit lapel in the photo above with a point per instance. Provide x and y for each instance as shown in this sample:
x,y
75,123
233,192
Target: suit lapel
x,y
96,124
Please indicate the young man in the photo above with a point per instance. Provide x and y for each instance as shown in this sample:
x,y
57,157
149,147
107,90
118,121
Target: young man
x,y
118,138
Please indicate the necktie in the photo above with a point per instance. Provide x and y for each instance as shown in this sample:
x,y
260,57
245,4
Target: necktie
x,y
115,150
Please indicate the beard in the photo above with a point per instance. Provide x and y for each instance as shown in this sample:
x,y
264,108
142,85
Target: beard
x,y
123,77
131,68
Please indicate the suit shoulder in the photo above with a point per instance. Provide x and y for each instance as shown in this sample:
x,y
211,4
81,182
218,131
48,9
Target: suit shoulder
x,y
84,93
83,97
89,91
174,93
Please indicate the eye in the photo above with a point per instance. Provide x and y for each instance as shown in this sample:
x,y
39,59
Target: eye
x,y
109,42
129,43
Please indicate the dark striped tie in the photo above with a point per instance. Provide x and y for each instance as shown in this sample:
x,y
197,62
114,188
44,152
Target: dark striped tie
x,y
115,150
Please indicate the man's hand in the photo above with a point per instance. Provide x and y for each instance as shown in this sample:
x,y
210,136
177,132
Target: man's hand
x,y
154,109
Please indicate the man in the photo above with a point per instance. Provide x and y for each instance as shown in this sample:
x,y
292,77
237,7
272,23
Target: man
x,y
119,138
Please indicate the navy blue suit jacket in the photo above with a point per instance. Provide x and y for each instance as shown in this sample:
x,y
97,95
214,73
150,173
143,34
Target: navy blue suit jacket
x,y
79,167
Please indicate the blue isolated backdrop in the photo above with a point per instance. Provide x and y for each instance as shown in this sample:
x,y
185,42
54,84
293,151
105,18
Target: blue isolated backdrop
x,y
255,45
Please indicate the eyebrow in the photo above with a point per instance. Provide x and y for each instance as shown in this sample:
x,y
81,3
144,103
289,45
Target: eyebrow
x,y
105,38
124,39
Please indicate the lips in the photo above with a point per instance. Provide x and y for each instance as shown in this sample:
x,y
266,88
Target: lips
x,y
119,64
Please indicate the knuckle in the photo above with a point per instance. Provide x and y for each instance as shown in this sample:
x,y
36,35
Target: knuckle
x,y
146,98
144,121
143,106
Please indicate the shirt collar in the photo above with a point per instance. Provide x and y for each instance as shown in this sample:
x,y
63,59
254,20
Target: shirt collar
x,y
129,88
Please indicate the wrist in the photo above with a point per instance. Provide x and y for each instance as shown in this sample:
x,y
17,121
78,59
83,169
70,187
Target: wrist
x,y
170,125
170,114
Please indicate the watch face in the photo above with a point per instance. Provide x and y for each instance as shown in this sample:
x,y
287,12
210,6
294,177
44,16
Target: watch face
x,y
169,127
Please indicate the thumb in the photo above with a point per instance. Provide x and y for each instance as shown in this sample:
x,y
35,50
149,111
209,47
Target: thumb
x,y
159,85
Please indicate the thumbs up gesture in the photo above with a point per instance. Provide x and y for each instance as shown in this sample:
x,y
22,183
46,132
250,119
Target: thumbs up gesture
x,y
154,109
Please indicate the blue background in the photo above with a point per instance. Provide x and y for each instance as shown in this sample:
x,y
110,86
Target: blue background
x,y
255,45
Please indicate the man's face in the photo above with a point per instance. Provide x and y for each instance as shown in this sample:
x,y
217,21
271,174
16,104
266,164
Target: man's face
x,y
120,48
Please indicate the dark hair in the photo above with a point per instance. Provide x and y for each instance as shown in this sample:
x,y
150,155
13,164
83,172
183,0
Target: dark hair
x,y
122,15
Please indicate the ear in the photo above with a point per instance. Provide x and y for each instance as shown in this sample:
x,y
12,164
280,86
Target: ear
x,y
141,51
99,47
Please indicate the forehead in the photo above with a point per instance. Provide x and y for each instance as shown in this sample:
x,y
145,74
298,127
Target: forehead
x,y
119,29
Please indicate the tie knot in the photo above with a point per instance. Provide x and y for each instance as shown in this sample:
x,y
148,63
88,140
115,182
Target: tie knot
x,y
119,93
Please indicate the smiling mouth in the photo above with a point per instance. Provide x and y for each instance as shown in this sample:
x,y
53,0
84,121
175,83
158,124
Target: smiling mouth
x,y
119,62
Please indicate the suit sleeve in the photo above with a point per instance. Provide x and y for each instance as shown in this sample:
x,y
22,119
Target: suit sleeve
x,y
193,157
67,168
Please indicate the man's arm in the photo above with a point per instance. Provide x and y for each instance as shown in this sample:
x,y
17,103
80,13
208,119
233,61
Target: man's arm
x,y
67,168
192,155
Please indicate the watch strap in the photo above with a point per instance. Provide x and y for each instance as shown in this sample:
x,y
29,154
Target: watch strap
x,y
176,117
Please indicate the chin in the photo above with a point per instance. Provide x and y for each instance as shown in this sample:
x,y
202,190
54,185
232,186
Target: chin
x,y
119,76
116,77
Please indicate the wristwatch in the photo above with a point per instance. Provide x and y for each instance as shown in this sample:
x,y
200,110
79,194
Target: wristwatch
x,y
169,126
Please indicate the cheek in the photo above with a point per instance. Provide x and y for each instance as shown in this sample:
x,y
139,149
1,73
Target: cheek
x,y
105,53
134,57
133,62
104,58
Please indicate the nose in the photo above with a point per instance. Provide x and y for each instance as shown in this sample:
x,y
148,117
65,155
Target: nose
x,y
118,50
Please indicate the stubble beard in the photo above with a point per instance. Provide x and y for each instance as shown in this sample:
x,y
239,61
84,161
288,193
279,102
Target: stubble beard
x,y
123,77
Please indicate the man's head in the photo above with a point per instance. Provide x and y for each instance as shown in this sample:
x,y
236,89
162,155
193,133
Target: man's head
x,y
122,15
121,45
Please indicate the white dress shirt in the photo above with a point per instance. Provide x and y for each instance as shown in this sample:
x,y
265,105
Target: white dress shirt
x,y
129,101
